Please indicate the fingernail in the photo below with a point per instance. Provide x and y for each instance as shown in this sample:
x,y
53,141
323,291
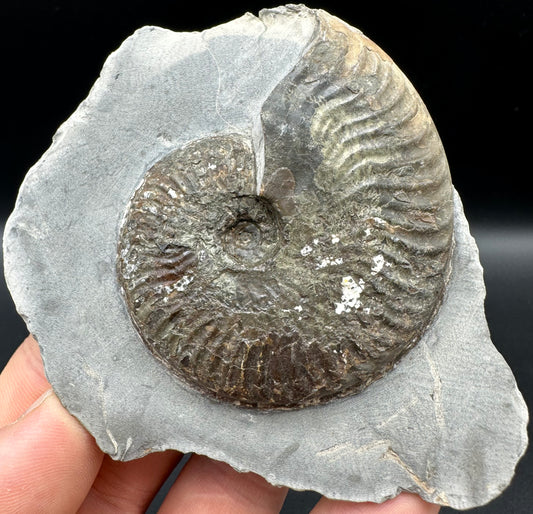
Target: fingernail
x,y
35,404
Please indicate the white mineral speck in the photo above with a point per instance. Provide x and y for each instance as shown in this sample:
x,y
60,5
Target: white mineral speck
x,y
183,282
306,250
180,285
379,262
351,291
147,194
334,239
129,270
329,262
367,232
315,241
298,308
172,193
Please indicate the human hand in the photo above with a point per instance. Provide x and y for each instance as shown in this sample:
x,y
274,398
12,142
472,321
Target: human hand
x,y
50,463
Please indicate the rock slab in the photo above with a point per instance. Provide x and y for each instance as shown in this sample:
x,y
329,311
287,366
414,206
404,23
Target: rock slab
x,y
448,422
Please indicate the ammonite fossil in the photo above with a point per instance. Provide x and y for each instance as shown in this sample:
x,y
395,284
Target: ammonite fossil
x,y
298,263
234,236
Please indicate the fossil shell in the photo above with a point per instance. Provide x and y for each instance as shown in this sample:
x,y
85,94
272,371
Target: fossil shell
x,y
299,263
283,237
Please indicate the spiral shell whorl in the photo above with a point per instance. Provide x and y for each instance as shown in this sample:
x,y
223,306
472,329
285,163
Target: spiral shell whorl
x,y
313,283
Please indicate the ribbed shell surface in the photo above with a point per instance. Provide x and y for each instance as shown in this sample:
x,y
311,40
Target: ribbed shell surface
x,y
290,278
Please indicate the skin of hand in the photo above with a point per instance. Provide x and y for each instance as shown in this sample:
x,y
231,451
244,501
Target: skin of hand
x,y
50,464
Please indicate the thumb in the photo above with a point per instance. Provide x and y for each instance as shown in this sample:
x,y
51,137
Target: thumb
x,y
48,460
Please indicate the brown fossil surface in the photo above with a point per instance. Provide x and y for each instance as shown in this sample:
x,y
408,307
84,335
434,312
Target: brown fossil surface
x,y
298,268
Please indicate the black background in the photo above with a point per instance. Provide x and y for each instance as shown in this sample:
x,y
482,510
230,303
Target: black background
x,y
469,60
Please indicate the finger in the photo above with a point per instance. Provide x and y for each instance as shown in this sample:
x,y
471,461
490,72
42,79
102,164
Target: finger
x,y
404,503
206,485
129,486
49,461
22,381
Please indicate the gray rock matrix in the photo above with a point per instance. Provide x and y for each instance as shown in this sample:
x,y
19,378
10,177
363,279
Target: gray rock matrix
x,y
448,422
